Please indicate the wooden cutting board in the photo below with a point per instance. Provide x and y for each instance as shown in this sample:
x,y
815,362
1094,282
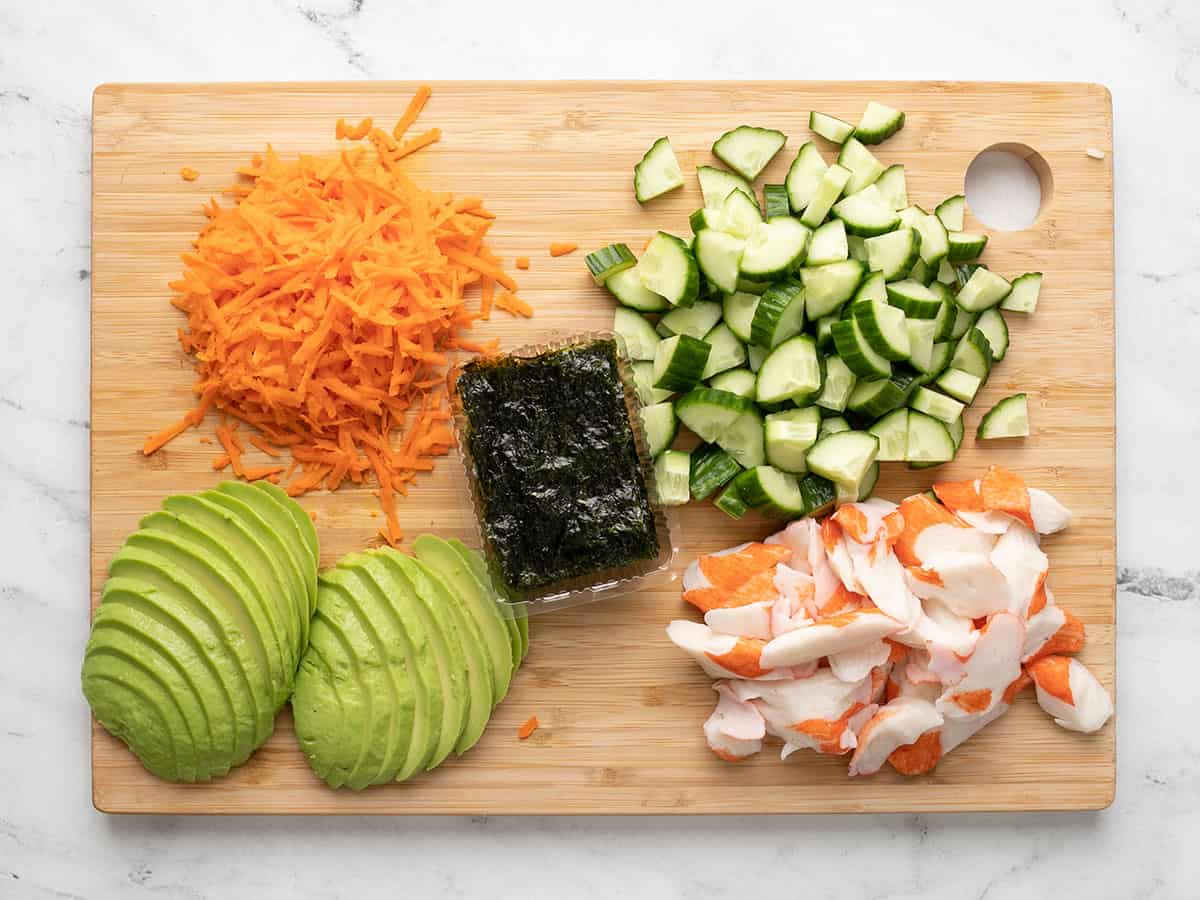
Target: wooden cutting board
x,y
620,708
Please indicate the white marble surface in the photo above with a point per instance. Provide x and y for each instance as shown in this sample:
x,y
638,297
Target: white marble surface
x,y
52,844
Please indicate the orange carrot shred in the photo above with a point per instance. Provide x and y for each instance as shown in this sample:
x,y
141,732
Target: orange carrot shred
x,y
415,105
522,262
187,173
510,303
261,444
562,249
529,727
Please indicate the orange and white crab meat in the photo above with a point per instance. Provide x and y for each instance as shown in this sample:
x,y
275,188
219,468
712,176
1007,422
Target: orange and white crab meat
x,y
989,671
902,721
1049,516
829,635
811,713
931,528
1068,691
750,621
927,751
964,500
736,728
734,577
1024,566
856,664
968,584
883,580
719,655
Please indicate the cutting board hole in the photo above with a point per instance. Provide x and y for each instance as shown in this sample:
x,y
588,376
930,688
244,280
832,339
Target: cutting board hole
x,y
1008,185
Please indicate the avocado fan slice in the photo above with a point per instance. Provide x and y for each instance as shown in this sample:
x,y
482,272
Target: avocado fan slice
x,y
318,708
305,525
515,618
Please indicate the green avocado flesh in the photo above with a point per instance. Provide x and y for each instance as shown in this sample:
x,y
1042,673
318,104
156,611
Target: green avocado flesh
x,y
407,658
201,625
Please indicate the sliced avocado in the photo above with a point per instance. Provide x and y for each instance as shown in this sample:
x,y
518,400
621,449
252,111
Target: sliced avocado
x,y
258,551
518,616
443,559
180,595
327,702
523,627
447,644
264,612
280,522
303,522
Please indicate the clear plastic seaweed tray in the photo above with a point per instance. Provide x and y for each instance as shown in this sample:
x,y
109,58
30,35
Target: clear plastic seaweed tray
x,y
609,582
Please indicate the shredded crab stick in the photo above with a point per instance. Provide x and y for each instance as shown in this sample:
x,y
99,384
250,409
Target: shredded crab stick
x,y
321,308
936,608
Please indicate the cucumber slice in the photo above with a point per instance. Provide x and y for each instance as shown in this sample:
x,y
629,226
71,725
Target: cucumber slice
x,y
956,432
872,399
843,457
829,127
788,435
792,371
885,327
775,201
892,431
943,322
917,301
739,214
1007,419
960,385
755,356
962,246
866,213
857,353
709,413
668,268
737,381
679,362
857,247
771,492
922,273
878,123
774,248
730,502
657,173
1024,295
893,254
983,290
940,359
864,167
820,494
719,256
935,243
747,149
712,469
945,273
826,288
804,176
920,343
705,218
964,271
695,320
910,215
929,440
941,407
951,212
873,287
743,440
747,286
832,183
671,477
833,425
828,244
727,352
963,322
825,333
643,384
995,329
973,354
608,261
839,383
626,286
660,426
893,187
715,185
779,314
640,339
866,486
739,309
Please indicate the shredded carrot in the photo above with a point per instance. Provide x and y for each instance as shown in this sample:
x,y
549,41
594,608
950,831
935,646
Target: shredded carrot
x,y
530,726
187,173
562,249
415,105
522,262
312,514
321,308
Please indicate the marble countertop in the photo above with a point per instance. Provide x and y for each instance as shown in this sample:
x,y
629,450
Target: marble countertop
x,y
53,844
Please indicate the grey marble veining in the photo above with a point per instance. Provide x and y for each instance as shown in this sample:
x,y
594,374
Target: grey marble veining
x,y
53,845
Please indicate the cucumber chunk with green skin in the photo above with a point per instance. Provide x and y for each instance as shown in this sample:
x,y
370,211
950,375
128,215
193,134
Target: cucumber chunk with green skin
x,y
672,471
710,413
839,383
748,149
873,287
956,432
910,215
995,329
963,322
804,177
679,362
866,213
643,384
736,381
659,425
854,349
939,359
829,127
774,248
935,244
669,269
794,370
755,356
893,254
779,314
739,214
960,385
843,457
1007,419
885,327
929,440
920,343
893,187
657,173
828,244
827,287
833,425
973,354
831,185
943,322
866,487
715,185
697,320
824,333
917,301
819,494
719,256
727,351
637,334
892,431
923,273
712,469
961,246
878,123
775,201
1024,295
730,502
627,287
872,399
856,247
864,168
932,403
788,436
945,273
738,310
951,211
743,440
771,492
606,262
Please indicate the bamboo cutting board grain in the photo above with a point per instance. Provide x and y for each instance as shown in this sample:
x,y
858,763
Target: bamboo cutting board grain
x,y
620,708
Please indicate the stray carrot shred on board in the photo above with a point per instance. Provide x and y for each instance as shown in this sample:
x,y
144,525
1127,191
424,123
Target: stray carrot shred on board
x,y
530,726
321,307
187,173
522,262
562,249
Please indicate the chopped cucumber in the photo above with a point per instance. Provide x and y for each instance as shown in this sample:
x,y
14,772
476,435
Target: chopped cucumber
x,y
878,123
727,352
788,435
771,492
829,127
719,256
1024,296
668,268
951,211
910,215
984,289
826,288
894,254
779,314
792,371
804,176
917,301
833,425
941,407
945,273
943,322
843,457
608,261
709,412
774,248
747,149
892,431
730,502
828,244
743,440
712,469
747,286
876,398
922,272
866,213
863,166
695,320
856,247
935,243
737,381
929,440
920,343
956,432
643,384
973,354
672,472
940,358
1007,419
832,183
995,329
963,322
660,425
962,246
960,385
679,362
638,335
715,185
857,353
819,494
893,187
885,327
657,173
739,309
755,356
825,333
839,383
626,286
775,201
873,287
739,214
866,485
